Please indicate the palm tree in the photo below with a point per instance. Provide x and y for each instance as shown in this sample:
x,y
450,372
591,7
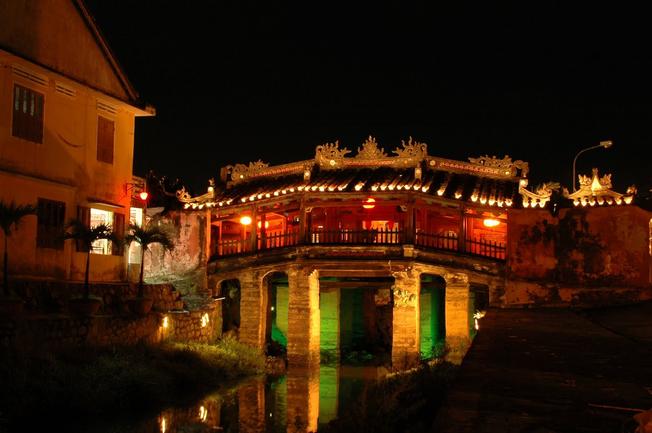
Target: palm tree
x,y
145,236
10,215
85,236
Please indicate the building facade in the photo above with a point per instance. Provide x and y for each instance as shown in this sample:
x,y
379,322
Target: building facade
x,y
67,116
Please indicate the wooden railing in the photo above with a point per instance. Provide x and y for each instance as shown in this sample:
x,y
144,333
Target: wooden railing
x,y
279,240
480,247
345,236
232,247
434,241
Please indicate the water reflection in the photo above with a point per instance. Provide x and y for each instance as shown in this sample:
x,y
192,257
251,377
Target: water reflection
x,y
299,402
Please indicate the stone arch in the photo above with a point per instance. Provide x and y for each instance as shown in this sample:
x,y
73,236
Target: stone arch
x,y
229,292
432,315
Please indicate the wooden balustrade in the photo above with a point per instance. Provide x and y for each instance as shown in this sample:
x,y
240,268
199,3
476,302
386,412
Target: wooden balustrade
x,y
434,241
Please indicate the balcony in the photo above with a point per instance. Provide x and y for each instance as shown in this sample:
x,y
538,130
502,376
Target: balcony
x,y
344,237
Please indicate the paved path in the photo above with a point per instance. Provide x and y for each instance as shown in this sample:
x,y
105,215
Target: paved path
x,y
546,370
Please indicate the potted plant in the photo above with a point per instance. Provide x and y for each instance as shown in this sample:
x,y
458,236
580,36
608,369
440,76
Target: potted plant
x,y
145,236
10,216
85,236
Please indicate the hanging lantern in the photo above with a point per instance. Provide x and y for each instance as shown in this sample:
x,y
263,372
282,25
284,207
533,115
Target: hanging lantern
x,y
490,222
245,220
369,203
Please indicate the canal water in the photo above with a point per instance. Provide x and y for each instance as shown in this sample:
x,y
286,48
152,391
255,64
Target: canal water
x,y
300,401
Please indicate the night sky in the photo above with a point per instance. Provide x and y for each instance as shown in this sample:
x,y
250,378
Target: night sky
x,y
538,82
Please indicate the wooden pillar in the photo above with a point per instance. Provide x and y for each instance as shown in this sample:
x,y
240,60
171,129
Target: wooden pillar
x,y
405,321
304,224
263,232
254,229
458,335
253,309
409,221
461,237
303,317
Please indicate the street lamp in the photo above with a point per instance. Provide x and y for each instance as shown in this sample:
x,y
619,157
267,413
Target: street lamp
x,y
606,144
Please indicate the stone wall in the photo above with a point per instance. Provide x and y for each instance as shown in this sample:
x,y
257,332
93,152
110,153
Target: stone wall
x,y
46,296
185,266
584,256
59,331
47,322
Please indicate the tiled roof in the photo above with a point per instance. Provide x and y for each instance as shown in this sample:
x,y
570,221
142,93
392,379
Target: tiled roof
x,y
438,183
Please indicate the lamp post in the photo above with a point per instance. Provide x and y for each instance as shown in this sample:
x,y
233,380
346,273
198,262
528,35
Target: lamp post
x,y
606,144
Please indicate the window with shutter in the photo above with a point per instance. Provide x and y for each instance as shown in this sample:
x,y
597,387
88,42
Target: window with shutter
x,y
50,221
105,136
27,119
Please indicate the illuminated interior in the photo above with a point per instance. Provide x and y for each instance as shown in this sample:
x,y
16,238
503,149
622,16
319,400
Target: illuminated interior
x,y
98,216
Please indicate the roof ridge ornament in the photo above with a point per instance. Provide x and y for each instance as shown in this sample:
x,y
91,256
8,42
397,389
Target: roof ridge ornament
x,y
370,150
370,154
540,197
596,189
240,172
329,154
411,149
510,167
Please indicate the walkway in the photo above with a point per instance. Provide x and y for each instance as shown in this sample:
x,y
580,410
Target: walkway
x,y
542,371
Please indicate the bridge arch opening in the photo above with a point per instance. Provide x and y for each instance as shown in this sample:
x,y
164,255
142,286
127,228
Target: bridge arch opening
x,y
355,320
432,316
229,293
276,316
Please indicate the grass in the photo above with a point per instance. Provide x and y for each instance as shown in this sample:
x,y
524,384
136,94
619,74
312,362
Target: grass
x,y
87,383
404,402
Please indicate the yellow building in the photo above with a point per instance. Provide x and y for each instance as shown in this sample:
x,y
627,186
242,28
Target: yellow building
x,y
67,117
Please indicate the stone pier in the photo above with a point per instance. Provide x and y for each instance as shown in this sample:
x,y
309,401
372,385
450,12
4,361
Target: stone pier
x,y
405,322
458,318
253,307
303,317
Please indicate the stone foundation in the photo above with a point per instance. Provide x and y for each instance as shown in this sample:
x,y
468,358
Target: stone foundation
x,y
46,296
56,331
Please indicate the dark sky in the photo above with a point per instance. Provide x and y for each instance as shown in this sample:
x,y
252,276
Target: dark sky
x,y
240,81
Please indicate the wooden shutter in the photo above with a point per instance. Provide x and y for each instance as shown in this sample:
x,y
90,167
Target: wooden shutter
x,y
119,231
105,135
83,215
27,115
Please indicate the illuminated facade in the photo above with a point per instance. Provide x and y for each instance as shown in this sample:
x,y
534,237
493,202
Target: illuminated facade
x,y
396,253
67,117
339,255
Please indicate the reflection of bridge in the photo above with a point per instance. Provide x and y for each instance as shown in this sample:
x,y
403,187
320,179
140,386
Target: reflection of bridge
x,y
300,402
